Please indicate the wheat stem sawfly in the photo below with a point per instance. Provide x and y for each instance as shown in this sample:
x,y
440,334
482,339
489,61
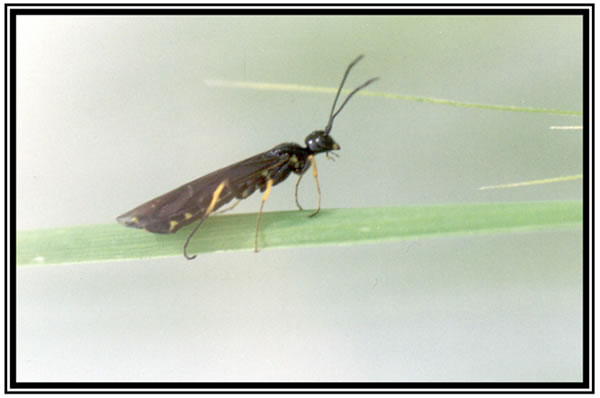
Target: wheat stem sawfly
x,y
196,200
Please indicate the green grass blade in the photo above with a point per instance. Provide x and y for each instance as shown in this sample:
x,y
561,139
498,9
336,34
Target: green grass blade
x,y
91,243
381,94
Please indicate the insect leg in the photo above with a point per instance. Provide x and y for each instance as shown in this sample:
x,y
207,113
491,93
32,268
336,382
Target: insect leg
x,y
229,208
315,173
209,210
296,194
262,203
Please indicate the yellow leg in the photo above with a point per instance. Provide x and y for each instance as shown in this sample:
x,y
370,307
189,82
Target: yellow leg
x,y
215,198
209,210
296,194
262,203
313,162
229,208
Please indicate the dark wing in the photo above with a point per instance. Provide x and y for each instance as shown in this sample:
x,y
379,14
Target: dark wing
x,y
182,206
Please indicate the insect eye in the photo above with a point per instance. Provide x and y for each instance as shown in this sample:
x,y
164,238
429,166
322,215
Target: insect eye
x,y
314,140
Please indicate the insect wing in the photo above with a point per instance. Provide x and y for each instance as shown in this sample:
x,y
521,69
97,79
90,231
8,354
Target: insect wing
x,y
182,206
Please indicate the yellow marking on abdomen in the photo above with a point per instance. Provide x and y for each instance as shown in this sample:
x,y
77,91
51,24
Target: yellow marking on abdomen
x,y
172,225
187,216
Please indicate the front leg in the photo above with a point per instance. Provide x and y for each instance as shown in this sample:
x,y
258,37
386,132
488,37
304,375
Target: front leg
x,y
313,162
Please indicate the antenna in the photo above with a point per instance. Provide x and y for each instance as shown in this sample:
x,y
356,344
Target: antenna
x,y
334,113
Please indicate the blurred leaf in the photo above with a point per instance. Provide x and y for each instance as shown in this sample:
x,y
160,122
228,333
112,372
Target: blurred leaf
x,y
431,100
534,182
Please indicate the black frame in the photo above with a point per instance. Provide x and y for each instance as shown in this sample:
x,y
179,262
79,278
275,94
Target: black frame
x,y
11,11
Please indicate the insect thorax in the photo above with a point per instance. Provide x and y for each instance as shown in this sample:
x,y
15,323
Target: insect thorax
x,y
297,156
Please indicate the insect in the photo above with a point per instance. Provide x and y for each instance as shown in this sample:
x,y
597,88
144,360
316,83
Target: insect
x,y
196,200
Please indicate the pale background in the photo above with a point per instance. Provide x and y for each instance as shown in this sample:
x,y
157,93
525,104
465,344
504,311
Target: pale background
x,y
113,111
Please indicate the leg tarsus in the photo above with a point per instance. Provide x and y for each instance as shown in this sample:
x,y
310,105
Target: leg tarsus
x,y
190,237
